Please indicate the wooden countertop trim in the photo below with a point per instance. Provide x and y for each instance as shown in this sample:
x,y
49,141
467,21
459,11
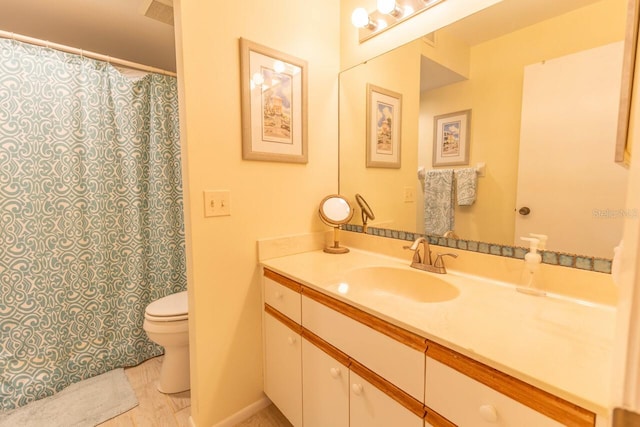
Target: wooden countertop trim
x,y
284,281
552,406
326,347
402,335
283,319
436,420
389,389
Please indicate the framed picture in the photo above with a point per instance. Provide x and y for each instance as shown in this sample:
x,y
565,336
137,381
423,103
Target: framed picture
x,y
451,138
384,120
274,104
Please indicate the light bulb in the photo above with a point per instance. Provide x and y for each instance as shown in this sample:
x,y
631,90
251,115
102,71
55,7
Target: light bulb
x,y
386,6
257,79
360,18
278,66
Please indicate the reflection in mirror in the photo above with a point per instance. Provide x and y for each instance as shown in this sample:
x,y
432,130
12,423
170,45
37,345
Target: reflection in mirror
x,y
335,211
542,79
366,211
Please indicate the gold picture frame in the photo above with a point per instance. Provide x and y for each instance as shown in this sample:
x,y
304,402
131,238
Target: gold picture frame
x,y
384,124
451,138
623,149
274,104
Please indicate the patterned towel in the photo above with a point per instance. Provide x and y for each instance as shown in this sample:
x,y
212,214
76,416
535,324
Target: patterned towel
x,y
466,184
438,201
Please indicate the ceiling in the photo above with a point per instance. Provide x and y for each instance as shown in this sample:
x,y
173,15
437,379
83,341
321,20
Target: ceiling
x,y
495,21
116,28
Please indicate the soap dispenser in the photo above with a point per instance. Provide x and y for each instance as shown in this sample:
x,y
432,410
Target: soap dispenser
x,y
532,261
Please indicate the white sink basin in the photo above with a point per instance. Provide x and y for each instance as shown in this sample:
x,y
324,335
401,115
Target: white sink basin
x,y
405,283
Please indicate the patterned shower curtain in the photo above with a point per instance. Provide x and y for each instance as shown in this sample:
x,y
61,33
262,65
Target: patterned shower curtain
x,y
91,219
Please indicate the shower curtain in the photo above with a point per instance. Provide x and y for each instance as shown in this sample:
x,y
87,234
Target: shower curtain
x,y
90,213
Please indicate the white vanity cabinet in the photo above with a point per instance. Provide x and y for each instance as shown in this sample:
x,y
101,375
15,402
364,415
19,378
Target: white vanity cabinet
x,y
328,363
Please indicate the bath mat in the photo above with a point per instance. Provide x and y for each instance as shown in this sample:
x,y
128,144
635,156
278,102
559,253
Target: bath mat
x,y
87,403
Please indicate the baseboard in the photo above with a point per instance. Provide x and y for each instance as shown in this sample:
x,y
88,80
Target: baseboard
x,y
241,415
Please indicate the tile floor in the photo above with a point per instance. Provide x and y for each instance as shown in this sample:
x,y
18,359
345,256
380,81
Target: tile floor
x,y
172,410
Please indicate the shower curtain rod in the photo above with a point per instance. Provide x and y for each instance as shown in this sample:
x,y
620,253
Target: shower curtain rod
x,y
85,53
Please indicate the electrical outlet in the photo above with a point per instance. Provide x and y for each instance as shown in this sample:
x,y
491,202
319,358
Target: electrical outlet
x,y
409,194
217,203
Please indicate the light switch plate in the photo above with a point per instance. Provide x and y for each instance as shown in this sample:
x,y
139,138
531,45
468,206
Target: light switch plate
x,y
217,203
409,194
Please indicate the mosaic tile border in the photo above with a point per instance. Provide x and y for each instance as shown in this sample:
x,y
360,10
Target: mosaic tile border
x,y
600,265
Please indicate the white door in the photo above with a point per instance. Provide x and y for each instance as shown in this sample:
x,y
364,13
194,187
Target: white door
x,y
566,171
372,408
283,368
325,389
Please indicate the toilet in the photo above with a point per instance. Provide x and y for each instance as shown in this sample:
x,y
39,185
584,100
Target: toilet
x,y
166,322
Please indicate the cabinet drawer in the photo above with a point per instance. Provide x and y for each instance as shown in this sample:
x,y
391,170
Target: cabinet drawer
x,y
467,402
284,299
398,363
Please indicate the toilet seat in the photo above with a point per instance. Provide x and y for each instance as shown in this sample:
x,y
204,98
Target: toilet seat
x,y
171,308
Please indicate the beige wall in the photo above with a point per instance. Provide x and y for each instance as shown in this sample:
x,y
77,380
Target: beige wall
x,y
382,187
494,92
267,199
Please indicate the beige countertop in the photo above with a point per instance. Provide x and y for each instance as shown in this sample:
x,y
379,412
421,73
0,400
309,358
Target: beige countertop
x,y
560,345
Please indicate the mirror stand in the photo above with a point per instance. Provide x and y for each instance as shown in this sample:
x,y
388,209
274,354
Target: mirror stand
x,y
336,248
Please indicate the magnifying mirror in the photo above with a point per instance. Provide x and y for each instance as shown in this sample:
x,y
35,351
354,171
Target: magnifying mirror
x,y
334,211
367,212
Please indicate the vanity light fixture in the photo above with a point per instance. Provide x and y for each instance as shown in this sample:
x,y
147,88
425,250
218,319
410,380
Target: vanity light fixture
x,y
388,14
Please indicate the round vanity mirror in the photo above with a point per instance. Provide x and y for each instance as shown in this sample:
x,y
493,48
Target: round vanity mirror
x,y
335,210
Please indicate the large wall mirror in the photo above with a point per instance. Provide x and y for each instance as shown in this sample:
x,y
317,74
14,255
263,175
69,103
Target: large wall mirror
x,y
542,79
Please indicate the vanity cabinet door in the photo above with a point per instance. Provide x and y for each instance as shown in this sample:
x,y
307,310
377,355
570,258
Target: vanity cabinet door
x,y
325,389
372,408
283,368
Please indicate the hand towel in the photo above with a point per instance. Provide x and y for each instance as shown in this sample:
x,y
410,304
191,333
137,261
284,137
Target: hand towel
x,y
466,185
438,201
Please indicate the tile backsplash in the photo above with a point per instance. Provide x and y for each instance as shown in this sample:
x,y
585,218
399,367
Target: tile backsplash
x,y
600,265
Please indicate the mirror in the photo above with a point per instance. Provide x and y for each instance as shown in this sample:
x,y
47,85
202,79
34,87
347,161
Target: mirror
x,y
335,211
366,212
508,65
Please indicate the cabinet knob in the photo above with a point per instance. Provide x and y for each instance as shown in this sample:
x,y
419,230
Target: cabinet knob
x,y
278,295
357,389
335,372
489,413
291,340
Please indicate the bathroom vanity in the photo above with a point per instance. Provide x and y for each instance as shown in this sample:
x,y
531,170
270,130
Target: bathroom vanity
x,y
361,339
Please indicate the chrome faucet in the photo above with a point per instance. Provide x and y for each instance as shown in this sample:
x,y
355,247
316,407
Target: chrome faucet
x,y
424,262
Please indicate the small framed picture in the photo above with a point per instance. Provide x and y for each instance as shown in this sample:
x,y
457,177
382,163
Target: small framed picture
x,y
384,121
274,104
451,138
